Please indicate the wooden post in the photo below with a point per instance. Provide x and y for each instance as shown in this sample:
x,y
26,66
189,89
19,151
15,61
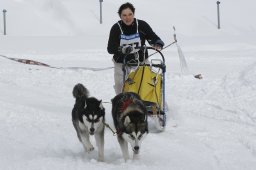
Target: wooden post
x,y
4,15
218,13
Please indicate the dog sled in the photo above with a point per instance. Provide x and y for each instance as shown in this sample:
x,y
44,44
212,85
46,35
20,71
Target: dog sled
x,y
147,79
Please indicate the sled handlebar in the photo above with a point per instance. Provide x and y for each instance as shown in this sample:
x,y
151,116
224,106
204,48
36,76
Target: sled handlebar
x,y
144,48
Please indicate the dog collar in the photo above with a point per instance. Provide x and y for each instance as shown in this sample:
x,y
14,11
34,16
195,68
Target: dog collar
x,y
119,131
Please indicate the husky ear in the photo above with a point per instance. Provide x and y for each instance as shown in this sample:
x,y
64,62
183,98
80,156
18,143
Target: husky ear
x,y
101,105
127,120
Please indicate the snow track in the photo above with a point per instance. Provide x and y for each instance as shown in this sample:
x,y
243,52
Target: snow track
x,y
211,121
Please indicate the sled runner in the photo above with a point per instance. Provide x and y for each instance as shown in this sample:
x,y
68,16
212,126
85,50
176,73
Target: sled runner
x,y
147,79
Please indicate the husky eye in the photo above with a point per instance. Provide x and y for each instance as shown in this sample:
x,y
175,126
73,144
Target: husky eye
x,y
139,137
132,137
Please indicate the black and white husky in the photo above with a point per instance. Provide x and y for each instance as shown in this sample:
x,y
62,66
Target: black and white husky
x,y
130,120
88,116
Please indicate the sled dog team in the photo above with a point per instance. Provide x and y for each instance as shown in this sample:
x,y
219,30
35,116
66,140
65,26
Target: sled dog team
x,y
128,111
129,117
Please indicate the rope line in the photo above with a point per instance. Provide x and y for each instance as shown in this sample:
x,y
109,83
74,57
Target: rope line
x,y
33,62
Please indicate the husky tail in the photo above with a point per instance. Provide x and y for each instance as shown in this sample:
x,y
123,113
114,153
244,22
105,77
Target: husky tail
x,y
80,91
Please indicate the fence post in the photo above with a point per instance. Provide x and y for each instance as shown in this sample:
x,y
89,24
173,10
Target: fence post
x,y
4,15
218,13
101,11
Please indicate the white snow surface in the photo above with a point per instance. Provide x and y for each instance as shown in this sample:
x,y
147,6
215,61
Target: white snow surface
x,y
211,123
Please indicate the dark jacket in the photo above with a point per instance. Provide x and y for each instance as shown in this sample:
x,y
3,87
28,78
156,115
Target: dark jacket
x,y
145,31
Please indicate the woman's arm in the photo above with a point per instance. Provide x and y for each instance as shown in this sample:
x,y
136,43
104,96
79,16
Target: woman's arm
x,y
114,40
150,35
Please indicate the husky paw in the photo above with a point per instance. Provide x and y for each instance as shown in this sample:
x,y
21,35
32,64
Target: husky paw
x,y
101,159
89,148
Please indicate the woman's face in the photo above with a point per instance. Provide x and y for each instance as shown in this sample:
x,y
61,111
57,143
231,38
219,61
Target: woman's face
x,y
127,16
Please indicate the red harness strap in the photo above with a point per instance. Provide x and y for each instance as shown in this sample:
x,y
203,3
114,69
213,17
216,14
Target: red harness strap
x,y
125,104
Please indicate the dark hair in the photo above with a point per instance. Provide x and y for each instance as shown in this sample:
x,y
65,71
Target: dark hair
x,y
125,6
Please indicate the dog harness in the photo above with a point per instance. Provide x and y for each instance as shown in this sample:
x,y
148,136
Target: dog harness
x,y
125,104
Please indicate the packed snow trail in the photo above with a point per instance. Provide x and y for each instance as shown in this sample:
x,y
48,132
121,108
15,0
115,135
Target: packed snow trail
x,y
209,125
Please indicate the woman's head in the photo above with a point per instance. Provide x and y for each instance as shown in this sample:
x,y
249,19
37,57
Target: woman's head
x,y
126,13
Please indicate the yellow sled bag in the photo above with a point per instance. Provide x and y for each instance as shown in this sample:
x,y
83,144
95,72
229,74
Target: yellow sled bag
x,y
146,83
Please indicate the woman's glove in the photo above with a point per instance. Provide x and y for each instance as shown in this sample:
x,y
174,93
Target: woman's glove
x,y
159,45
127,49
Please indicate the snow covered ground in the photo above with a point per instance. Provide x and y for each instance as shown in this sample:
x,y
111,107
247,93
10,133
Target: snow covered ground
x,y
211,122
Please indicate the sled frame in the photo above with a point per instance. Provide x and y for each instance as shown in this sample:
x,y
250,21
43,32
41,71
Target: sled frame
x,y
158,116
